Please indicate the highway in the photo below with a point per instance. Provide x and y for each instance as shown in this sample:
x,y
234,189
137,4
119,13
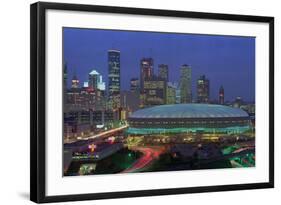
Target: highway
x,y
106,132
102,134
149,155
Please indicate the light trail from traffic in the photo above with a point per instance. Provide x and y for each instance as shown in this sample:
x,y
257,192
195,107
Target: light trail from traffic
x,y
149,155
106,132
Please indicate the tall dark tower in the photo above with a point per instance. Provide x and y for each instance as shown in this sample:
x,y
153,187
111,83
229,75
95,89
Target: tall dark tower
x,y
114,78
64,84
185,84
203,89
94,77
221,96
74,82
163,72
134,85
146,66
65,77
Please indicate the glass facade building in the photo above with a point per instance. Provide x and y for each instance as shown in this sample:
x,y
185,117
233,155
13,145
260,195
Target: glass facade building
x,y
163,72
146,66
114,78
185,84
203,89
221,96
155,91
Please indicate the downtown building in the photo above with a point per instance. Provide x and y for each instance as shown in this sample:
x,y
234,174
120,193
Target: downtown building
x,y
238,102
146,74
154,91
163,72
84,107
146,71
95,81
221,95
185,84
65,83
171,93
91,96
113,79
203,90
82,123
96,85
135,85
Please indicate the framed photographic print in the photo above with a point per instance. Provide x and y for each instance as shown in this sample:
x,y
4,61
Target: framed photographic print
x,y
129,102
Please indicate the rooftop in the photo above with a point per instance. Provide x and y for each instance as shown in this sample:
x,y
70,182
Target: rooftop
x,y
94,72
189,111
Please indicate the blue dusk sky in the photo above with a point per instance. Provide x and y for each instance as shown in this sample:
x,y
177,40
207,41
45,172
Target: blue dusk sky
x,y
225,60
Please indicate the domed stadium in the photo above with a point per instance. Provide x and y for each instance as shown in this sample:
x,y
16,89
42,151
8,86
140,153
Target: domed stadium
x,y
177,118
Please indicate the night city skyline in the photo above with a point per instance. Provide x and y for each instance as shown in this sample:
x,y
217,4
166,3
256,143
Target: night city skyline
x,y
147,101
226,61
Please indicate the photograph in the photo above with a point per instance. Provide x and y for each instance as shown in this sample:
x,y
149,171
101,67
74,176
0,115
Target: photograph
x,y
149,101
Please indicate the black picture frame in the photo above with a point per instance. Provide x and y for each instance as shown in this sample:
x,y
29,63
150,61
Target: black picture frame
x,y
38,101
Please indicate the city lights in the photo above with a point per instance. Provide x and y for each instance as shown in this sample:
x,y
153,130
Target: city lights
x,y
153,107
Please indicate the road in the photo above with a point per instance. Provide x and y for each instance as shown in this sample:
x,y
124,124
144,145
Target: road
x,y
102,134
149,155
106,132
81,145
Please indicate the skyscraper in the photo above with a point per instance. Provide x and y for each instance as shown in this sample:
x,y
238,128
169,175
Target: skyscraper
x,y
171,93
101,84
134,85
93,79
155,91
96,87
74,82
65,84
163,71
185,84
203,89
114,78
178,92
146,66
65,76
238,102
221,96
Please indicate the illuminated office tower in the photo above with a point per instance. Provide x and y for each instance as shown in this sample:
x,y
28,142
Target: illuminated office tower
x,y
185,84
101,84
155,91
146,73
203,89
97,87
93,79
163,72
114,79
221,96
